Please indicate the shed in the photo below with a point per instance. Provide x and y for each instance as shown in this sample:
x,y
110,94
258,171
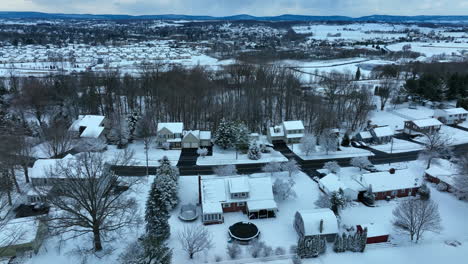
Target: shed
x,y
375,233
318,222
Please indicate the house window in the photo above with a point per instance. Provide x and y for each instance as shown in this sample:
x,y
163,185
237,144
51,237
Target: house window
x,y
226,205
394,193
241,204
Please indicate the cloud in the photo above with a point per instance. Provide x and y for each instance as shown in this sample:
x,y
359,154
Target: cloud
x,y
253,7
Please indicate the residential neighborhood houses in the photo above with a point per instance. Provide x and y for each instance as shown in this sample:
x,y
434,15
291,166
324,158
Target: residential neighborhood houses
x,y
289,132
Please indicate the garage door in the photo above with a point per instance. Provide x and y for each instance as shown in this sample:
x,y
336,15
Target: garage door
x,y
194,145
186,145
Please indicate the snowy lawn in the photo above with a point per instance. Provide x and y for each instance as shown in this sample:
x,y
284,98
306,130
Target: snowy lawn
x,y
344,152
464,124
420,112
385,118
139,157
399,146
454,135
223,157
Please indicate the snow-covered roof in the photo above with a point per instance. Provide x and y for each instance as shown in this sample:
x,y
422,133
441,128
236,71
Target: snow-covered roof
x,y
205,135
216,189
212,208
280,132
365,135
330,183
293,125
261,205
22,230
455,111
300,135
42,167
384,131
385,181
428,122
312,218
444,170
92,123
238,185
174,127
375,230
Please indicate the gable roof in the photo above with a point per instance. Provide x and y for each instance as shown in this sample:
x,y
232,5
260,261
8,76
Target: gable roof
x,y
42,167
293,125
312,218
92,123
384,131
385,181
174,127
455,111
428,122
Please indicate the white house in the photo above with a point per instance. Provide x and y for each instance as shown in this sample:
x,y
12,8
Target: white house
x,y
289,132
333,183
419,126
196,139
318,222
89,126
170,133
248,194
451,116
43,168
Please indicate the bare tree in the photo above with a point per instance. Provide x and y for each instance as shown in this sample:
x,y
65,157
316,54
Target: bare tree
x,y
284,189
415,217
385,91
57,138
332,166
194,239
360,162
308,144
436,145
291,167
328,142
225,170
88,200
146,131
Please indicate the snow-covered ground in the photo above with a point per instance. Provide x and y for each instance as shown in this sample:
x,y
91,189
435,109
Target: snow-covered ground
x,y
139,156
223,157
454,136
431,48
344,152
399,146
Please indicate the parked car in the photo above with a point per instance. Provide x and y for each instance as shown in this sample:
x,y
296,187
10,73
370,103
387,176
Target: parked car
x,y
371,168
356,144
363,144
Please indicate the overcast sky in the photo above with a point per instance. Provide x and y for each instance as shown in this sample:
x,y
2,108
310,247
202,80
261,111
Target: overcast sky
x,y
253,7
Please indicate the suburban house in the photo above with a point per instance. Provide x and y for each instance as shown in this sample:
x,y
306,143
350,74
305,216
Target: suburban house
x,y
443,172
170,134
376,233
376,135
196,139
21,235
89,126
43,168
420,126
451,116
318,222
248,194
392,183
289,132
333,183
381,135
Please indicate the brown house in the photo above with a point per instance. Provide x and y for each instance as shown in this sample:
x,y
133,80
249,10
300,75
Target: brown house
x,y
422,126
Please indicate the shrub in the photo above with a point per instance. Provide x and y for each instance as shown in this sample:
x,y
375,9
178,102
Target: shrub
x,y
443,187
280,251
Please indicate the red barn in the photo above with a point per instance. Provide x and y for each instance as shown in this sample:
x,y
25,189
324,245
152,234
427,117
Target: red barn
x,y
375,233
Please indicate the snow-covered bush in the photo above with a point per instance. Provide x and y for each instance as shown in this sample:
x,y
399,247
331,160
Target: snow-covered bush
x,y
233,250
369,195
226,170
338,201
296,259
267,251
280,251
272,167
323,201
283,189
256,247
424,192
332,166
360,162
202,152
218,258
254,152
442,187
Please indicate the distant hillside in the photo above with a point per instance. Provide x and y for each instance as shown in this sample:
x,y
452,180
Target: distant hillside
x,y
285,17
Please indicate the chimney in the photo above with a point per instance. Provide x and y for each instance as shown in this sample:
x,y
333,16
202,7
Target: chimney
x,y
392,171
321,226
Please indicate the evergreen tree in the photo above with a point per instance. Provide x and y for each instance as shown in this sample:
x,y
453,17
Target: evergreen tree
x,y
337,201
345,141
358,74
350,243
369,195
254,152
225,134
363,240
148,250
424,192
241,136
166,168
157,211
168,177
132,120
338,246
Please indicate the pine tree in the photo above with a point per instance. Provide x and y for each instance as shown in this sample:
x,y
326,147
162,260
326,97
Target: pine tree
x,y
254,152
369,195
338,246
166,168
167,177
337,201
345,141
350,243
358,74
363,240
225,135
424,192
241,136
132,120
157,211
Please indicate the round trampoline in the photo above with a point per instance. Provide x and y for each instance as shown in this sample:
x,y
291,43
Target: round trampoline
x,y
188,212
243,232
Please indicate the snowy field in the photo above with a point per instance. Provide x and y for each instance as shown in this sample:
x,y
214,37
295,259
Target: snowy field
x,y
345,152
386,118
223,157
139,156
399,146
430,49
